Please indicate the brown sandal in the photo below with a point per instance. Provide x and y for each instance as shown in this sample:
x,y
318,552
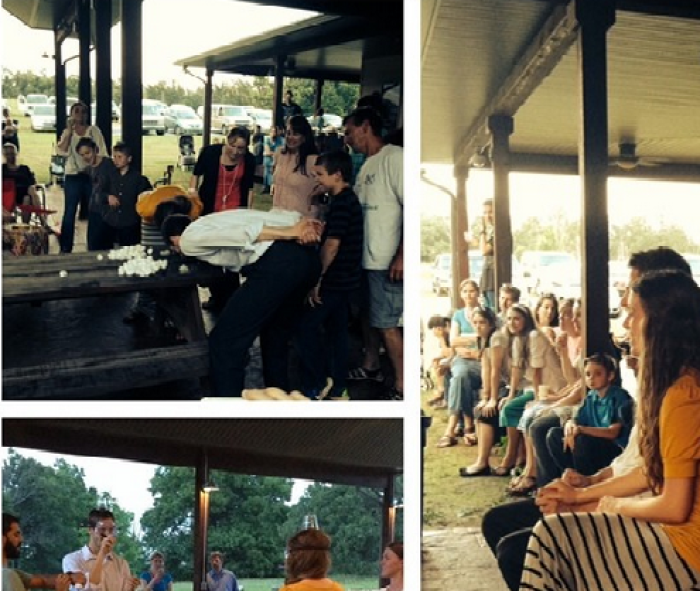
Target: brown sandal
x,y
470,439
447,441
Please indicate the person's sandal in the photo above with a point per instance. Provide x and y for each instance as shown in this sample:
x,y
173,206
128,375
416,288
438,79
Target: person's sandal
x,y
525,487
466,473
470,439
447,441
501,470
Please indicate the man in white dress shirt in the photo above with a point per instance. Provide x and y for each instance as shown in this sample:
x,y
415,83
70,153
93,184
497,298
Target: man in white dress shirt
x,y
102,568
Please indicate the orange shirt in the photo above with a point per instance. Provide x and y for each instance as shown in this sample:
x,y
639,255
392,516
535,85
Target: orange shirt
x,y
680,451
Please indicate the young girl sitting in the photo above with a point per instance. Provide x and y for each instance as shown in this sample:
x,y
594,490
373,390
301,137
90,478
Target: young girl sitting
x,y
600,430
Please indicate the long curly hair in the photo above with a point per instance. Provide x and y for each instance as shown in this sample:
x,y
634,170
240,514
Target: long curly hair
x,y
671,334
300,125
521,340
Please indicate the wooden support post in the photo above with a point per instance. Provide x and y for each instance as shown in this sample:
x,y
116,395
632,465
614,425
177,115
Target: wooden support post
x,y
501,127
593,169
132,74
84,37
103,78
208,96
459,227
278,89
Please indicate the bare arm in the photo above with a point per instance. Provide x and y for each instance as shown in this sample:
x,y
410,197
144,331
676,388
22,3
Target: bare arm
x,y
673,505
305,230
626,485
329,251
610,432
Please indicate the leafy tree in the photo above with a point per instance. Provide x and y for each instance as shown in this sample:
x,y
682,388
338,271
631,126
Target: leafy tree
x,y
52,504
245,518
435,237
352,517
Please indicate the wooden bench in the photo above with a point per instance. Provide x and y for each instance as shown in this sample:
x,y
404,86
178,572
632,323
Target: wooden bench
x,y
87,377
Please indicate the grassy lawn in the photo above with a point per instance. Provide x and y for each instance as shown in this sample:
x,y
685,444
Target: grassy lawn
x,y
449,500
351,583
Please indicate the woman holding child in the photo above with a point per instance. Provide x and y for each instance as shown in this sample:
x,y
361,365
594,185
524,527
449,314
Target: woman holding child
x,y
636,543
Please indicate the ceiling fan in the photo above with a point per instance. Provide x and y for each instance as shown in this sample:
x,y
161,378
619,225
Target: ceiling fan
x,y
628,159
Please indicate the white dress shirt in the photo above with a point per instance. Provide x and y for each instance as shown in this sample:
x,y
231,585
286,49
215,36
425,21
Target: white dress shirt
x,y
116,573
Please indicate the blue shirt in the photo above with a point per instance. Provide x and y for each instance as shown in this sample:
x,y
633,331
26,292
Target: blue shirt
x,y
465,326
616,406
161,585
224,580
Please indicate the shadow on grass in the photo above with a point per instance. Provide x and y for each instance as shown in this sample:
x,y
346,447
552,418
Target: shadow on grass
x,y
452,501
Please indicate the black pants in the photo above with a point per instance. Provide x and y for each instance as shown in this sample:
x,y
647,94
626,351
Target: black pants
x,y
269,303
507,530
547,468
590,453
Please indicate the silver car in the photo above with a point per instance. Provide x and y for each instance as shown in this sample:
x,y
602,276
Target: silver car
x,y
43,118
182,120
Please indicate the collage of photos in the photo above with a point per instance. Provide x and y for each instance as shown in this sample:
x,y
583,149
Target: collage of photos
x,y
204,225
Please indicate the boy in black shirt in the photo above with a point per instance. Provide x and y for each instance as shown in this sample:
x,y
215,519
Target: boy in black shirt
x,y
341,259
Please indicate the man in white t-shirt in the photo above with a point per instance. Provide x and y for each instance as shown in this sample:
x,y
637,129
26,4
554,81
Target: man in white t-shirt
x,y
102,567
379,187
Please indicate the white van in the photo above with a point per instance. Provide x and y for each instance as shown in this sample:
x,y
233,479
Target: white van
x,y
224,117
26,104
152,117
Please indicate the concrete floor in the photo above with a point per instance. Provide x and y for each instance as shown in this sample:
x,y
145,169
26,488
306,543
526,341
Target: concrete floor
x,y
458,559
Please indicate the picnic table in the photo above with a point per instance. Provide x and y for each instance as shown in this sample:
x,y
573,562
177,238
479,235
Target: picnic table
x,y
31,280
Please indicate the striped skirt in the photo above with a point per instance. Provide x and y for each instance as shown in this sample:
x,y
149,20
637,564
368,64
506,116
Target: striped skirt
x,y
600,551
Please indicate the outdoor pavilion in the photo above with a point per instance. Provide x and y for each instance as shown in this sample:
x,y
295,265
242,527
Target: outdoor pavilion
x,y
360,452
91,22
355,46
555,87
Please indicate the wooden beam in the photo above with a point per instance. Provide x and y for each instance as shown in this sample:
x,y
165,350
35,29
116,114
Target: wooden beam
x,y
536,62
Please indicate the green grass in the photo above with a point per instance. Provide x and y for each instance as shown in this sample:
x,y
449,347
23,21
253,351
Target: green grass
x,y
349,582
449,500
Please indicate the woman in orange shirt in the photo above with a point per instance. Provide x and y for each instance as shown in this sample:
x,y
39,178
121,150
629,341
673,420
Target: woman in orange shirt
x,y
653,542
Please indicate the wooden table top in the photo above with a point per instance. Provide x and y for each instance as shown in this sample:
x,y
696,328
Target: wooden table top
x,y
31,279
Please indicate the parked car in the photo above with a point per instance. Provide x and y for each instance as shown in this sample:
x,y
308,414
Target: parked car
x,y
116,111
43,118
224,117
263,118
533,262
27,104
329,121
181,119
694,262
442,271
152,118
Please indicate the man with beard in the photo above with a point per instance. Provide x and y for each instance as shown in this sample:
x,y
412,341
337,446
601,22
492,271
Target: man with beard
x,y
97,561
17,580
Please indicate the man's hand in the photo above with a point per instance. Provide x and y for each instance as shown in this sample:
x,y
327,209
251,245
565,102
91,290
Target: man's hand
x,y
314,296
62,582
308,230
77,578
113,201
107,544
396,268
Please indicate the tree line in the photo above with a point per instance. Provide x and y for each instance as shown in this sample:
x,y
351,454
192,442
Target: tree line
x,y
250,519
257,91
562,234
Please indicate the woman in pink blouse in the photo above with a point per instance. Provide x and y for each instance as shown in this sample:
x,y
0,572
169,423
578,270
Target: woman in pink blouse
x,y
294,183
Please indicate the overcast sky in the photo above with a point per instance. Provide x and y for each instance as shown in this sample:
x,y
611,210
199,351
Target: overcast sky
x,y
173,29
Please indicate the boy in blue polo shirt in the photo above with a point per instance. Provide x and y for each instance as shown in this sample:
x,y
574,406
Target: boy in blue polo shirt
x,y
600,430
341,260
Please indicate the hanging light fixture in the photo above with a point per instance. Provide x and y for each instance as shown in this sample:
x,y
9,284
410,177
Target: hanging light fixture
x,y
209,484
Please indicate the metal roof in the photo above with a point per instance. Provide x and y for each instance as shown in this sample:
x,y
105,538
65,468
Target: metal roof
x,y
350,451
470,49
39,14
328,46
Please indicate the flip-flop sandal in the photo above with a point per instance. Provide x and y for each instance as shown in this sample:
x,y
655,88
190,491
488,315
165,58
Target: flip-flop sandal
x,y
501,470
525,488
465,473
447,441
470,439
